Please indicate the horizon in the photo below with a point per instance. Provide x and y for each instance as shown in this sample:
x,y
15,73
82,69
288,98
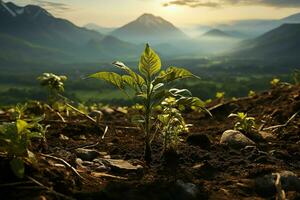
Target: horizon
x,y
82,14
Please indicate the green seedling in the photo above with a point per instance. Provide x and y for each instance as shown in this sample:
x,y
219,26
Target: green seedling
x,y
220,95
15,139
151,85
54,84
172,123
244,123
275,82
251,93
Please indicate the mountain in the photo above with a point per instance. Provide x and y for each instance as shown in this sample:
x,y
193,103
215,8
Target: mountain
x,y
292,18
282,42
35,24
149,28
12,47
257,27
100,29
38,27
216,33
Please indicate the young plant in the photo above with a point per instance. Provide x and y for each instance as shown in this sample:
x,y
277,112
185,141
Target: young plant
x,y
251,93
275,82
15,139
172,123
220,95
244,123
54,84
151,85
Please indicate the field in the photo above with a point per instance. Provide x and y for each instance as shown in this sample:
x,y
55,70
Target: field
x,y
234,77
201,168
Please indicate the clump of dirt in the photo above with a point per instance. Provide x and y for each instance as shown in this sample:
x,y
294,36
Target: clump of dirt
x,y
200,170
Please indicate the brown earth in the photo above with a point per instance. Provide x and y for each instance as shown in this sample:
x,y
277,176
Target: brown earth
x,y
202,168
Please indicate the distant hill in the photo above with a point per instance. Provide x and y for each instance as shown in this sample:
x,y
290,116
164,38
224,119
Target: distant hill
x,y
149,28
292,18
254,28
100,29
282,42
216,33
38,27
12,48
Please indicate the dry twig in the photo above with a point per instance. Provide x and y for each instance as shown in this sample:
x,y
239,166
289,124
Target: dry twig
x,y
282,125
64,162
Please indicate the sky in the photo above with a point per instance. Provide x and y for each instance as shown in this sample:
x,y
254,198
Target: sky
x,y
183,13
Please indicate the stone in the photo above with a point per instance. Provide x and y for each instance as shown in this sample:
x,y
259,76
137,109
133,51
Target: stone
x,y
189,188
235,139
290,181
87,154
267,135
198,139
121,166
266,185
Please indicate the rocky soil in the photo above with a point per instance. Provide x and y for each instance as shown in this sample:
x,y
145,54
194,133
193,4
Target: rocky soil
x,y
212,161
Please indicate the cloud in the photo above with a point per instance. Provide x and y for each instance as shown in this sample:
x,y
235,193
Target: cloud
x,y
52,6
221,3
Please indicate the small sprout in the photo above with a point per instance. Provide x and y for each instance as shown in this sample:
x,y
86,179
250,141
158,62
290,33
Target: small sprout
x,y
275,82
220,95
15,140
251,93
54,83
244,123
172,123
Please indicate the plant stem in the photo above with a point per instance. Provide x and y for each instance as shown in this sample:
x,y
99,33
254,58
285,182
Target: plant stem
x,y
148,151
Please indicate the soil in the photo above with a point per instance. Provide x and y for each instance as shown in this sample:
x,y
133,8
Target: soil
x,y
194,171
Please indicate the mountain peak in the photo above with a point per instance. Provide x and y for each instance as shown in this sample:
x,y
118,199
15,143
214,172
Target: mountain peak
x,y
149,19
147,15
149,28
15,11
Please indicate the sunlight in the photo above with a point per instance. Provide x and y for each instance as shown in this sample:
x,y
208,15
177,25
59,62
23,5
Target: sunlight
x,y
171,8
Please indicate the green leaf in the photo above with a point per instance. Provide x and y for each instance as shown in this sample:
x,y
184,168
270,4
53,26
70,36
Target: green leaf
x,y
150,63
232,115
172,74
21,125
128,80
137,78
190,101
180,92
17,166
158,86
110,77
164,118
